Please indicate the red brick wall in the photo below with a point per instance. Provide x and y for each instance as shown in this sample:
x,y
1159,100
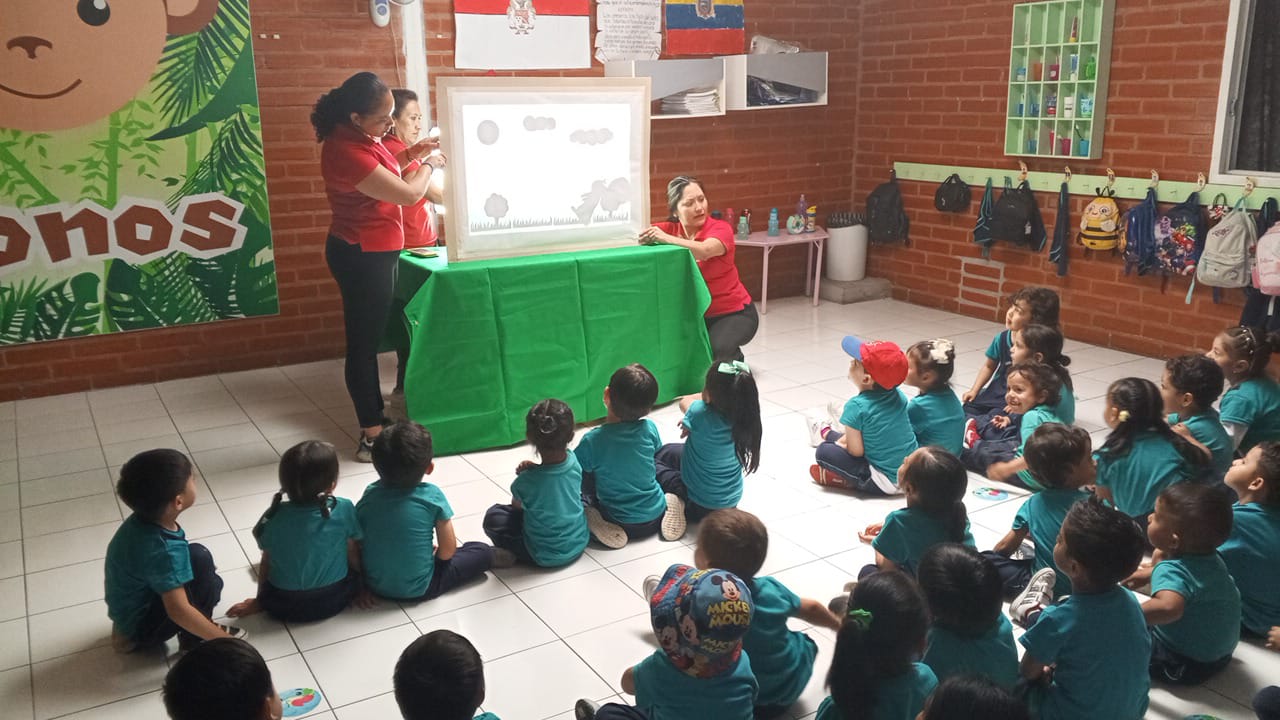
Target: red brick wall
x,y
932,89
753,160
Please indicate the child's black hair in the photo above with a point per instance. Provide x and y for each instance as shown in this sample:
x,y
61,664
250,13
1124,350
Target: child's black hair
x,y
1201,514
1054,450
307,472
1253,345
734,395
401,454
549,426
938,480
219,679
439,677
1047,340
1042,303
962,587
150,480
973,697
937,356
880,635
1197,375
632,391
734,540
1106,543
1141,400
1043,378
1269,471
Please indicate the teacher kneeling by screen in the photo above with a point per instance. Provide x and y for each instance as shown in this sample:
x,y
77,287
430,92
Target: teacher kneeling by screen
x,y
731,319
366,184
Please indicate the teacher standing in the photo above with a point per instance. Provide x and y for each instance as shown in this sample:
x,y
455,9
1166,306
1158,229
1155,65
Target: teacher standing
x,y
366,185
731,319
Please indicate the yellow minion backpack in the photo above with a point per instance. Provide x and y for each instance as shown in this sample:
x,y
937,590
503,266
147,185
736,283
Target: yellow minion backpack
x,y
1100,226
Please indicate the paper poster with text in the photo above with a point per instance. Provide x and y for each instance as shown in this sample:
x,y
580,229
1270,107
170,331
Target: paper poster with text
x,y
132,184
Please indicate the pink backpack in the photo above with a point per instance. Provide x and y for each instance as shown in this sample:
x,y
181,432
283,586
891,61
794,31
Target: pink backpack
x,y
1266,270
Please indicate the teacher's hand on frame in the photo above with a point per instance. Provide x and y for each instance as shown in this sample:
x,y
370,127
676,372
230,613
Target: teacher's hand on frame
x,y
423,148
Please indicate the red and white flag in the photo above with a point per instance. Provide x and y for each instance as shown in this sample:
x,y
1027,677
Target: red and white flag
x,y
522,34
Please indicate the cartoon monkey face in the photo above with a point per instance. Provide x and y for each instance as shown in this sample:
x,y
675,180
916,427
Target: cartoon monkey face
x,y
67,63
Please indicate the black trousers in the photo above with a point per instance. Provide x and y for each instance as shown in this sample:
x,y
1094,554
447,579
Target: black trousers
x,y
728,333
1014,574
311,605
1169,665
634,531
670,479
203,592
1267,703
504,524
470,560
367,281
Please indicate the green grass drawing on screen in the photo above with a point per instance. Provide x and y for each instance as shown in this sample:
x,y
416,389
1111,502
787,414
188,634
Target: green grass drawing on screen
x,y
196,129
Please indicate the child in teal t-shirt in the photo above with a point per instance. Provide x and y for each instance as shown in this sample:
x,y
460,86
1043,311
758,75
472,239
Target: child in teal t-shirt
x,y
970,634
1251,551
937,417
1029,305
1087,657
781,658
865,452
544,525
1034,388
1142,455
934,482
1189,387
619,477
1250,407
873,666
410,550
440,677
1060,458
310,566
1194,610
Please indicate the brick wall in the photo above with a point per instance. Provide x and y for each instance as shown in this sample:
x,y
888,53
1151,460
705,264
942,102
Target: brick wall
x,y
750,160
932,89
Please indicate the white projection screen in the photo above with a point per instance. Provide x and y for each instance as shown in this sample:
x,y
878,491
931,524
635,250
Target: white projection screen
x,y
541,165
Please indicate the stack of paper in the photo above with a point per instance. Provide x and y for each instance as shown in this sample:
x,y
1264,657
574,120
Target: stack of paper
x,y
699,101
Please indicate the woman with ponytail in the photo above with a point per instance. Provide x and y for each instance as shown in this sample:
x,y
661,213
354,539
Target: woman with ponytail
x,y
367,185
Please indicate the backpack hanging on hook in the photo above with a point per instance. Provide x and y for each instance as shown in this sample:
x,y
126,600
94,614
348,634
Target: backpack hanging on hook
x,y
1100,226
887,221
953,195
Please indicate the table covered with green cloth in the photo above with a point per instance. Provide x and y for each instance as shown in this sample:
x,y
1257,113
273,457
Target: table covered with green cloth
x,y
489,338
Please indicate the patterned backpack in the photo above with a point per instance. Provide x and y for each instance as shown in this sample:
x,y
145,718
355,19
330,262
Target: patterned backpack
x,y
1100,226
1179,237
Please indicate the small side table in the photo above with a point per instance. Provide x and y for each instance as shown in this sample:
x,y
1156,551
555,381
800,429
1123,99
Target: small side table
x,y
812,277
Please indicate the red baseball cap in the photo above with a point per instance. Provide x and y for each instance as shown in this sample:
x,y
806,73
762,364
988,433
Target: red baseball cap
x,y
884,361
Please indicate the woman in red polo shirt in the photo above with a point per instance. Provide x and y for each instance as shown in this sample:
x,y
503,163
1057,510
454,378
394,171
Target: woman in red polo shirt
x,y
731,318
367,185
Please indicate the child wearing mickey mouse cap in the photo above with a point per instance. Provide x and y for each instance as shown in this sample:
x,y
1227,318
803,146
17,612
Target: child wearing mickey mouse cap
x,y
875,433
699,618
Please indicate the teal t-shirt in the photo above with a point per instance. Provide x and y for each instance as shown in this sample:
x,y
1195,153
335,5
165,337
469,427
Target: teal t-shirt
x,y
663,692
908,533
143,562
1042,515
305,549
486,716
1256,404
1065,409
1251,556
1138,477
621,456
881,417
1000,350
938,419
709,468
1207,429
555,527
1100,648
782,659
992,654
1032,419
1210,624
399,537
898,698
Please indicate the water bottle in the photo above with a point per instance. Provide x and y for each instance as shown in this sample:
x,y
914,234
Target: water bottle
x,y
801,205
773,222
744,226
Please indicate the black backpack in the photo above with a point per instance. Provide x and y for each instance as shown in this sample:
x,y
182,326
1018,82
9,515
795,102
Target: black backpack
x,y
953,195
1015,217
886,220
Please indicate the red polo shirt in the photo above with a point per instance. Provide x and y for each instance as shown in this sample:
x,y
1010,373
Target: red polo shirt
x,y
347,157
728,294
419,225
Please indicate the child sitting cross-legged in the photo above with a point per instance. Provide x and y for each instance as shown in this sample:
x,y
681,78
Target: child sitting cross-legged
x,y
1189,387
440,677
222,679
1029,305
782,659
1034,389
970,633
1251,551
1194,610
410,549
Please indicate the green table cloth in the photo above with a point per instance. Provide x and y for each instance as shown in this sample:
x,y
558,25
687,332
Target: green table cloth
x,y
489,338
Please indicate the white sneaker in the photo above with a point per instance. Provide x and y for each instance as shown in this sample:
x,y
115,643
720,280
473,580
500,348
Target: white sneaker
x,y
608,534
585,709
818,427
650,585
1034,598
673,522
1026,550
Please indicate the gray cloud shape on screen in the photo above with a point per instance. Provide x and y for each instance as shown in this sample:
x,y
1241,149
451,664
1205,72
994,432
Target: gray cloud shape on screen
x,y
591,137
487,132
534,124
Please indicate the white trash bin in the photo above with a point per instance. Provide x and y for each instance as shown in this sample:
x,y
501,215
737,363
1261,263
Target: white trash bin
x,y
847,253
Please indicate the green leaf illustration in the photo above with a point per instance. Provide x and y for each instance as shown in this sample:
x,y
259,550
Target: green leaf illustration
x,y
195,67
18,310
238,90
242,283
233,165
156,294
68,309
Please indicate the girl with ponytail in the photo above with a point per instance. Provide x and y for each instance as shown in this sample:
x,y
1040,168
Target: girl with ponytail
x,y
1250,408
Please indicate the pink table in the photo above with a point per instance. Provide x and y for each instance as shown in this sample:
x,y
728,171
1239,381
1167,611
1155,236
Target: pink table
x,y
812,276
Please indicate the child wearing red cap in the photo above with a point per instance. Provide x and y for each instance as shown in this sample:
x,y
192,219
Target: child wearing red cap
x,y
875,433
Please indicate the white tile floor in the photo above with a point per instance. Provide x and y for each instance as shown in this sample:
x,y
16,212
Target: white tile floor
x,y
548,637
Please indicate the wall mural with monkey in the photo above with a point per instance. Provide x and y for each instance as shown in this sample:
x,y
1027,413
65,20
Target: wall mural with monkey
x,y
132,183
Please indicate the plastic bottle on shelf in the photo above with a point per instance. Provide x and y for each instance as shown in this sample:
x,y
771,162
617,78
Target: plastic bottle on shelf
x,y
1051,105
1086,105
773,222
744,225
1075,30
1091,68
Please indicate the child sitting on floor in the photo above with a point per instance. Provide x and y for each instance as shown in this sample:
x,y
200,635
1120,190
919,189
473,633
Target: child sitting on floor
x,y
970,633
410,549
1034,388
1250,407
224,678
440,677
1189,387
1251,551
1029,305
937,416
865,453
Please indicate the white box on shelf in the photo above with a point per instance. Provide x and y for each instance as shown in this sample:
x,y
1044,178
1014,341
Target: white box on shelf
x,y
806,70
670,78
